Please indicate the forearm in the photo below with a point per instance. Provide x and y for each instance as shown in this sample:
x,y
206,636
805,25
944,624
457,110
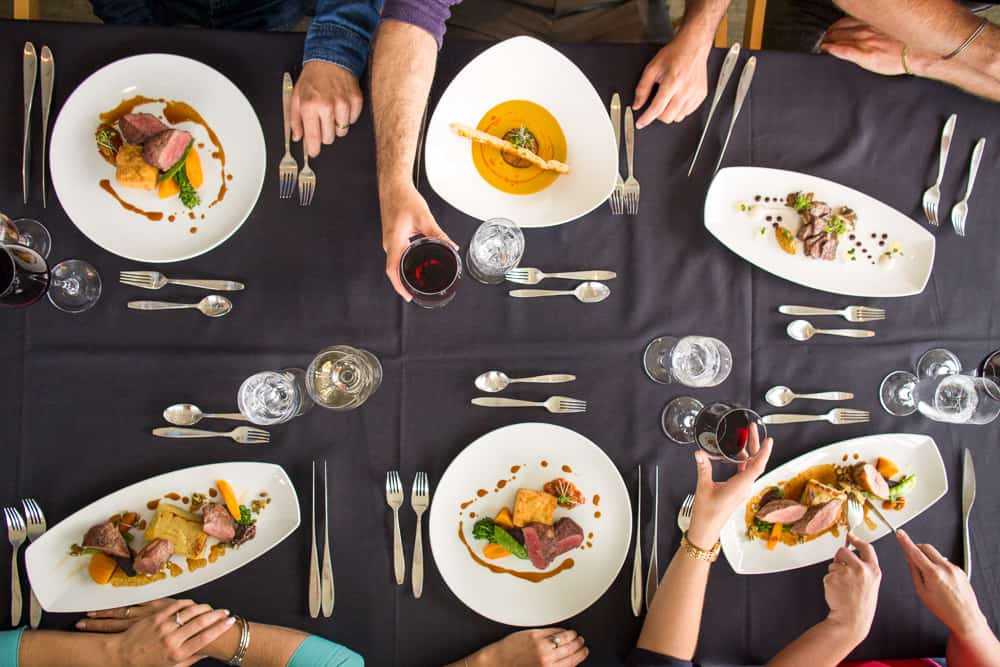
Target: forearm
x,y
976,648
825,644
270,645
701,20
44,648
674,619
402,70
131,12
957,74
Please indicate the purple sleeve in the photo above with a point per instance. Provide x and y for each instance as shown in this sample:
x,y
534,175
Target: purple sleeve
x,y
427,14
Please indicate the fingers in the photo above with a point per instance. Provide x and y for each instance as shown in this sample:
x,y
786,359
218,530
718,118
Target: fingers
x,y
341,117
914,556
392,272
295,117
645,86
104,624
312,131
704,466
934,555
916,575
199,623
847,557
575,659
166,611
664,94
865,550
562,636
841,51
571,653
355,104
191,613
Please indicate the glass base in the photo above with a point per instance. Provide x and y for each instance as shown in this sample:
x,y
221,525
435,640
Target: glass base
x,y
658,352
896,393
480,277
677,420
75,286
33,234
938,362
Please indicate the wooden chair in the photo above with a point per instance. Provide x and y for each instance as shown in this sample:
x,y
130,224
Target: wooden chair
x,y
26,9
753,32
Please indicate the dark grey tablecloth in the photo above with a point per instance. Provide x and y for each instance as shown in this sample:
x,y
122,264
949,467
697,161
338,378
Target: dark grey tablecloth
x,y
79,394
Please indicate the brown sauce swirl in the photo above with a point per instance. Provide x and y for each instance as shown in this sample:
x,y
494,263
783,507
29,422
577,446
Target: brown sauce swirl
x,y
155,216
533,577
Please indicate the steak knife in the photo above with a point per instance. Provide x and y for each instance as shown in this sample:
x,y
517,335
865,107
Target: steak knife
x,y
30,74
48,78
968,497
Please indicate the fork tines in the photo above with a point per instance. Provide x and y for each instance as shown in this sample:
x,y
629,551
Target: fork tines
x,y
135,278
420,488
615,200
516,274
572,405
33,513
257,436
849,416
866,314
393,484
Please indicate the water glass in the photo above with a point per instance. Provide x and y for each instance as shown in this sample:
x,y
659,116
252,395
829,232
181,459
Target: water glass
x,y
952,398
495,249
343,377
938,361
693,361
274,397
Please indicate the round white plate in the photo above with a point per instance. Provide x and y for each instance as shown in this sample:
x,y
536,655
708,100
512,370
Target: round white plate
x,y
76,166
494,76
503,597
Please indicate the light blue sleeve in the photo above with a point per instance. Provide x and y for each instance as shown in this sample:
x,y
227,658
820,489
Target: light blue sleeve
x,y
10,643
312,652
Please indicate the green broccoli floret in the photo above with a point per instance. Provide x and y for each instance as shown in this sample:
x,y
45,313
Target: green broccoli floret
x,y
246,517
487,529
483,530
189,196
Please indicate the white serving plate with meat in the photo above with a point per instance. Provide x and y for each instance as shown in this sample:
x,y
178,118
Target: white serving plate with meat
x,y
61,581
740,232
523,68
913,453
505,598
77,168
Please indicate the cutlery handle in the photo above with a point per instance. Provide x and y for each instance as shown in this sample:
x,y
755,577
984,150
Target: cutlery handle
x,y
314,586
742,88
173,432
829,396
35,612
286,105
807,310
235,416
629,139
30,71
554,378
48,77
584,275
15,592
418,562
616,121
636,589
791,419
728,65
946,134
848,333
326,580
159,305
530,293
398,561
977,157
220,285
967,552
489,402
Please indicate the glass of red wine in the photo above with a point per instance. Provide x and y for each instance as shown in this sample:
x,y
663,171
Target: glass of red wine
x,y
721,429
24,276
430,270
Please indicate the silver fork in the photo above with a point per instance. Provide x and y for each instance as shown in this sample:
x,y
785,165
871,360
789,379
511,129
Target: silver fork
x,y
156,280
36,526
932,197
838,416
684,515
851,313
653,576
616,122
420,498
554,404
855,513
307,181
326,578
630,190
960,211
15,534
530,276
245,435
288,167
394,498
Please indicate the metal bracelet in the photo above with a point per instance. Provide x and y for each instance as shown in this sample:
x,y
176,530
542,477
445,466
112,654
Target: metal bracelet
x,y
696,552
241,651
971,38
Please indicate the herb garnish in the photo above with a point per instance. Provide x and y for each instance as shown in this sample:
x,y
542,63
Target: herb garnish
x,y
106,141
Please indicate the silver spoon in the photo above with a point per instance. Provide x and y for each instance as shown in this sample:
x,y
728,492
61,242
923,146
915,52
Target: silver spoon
x,y
781,396
803,330
186,414
212,305
589,292
494,381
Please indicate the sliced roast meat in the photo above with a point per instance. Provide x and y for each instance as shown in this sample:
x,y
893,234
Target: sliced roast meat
x,y
153,556
820,210
819,518
773,493
166,148
870,479
217,522
828,248
568,536
782,511
814,246
106,538
137,127
244,533
537,542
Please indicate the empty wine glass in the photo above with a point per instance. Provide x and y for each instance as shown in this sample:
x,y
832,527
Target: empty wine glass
x,y
694,361
342,377
495,249
75,286
26,232
274,397
938,361
951,398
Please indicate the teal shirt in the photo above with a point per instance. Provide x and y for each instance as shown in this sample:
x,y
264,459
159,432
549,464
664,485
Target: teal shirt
x,y
312,652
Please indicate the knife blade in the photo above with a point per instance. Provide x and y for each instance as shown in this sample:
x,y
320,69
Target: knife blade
x,y
742,88
48,79
30,68
968,498
728,65
653,575
881,516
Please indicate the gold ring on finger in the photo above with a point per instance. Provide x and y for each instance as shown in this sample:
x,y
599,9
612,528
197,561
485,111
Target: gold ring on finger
x,y
343,128
177,619
128,611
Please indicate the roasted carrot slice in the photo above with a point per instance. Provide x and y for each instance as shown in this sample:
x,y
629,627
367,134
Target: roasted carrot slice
x,y
229,497
774,537
494,551
192,165
503,519
101,568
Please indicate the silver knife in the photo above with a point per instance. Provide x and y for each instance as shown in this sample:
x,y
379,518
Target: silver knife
x,y
653,576
728,65
637,558
48,78
314,590
30,74
746,78
968,498
881,516
326,578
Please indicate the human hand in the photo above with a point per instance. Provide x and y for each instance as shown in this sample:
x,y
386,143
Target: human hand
x,y
856,41
851,586
325,103
534,648
714,502
404,215
148,635
942,587
680,70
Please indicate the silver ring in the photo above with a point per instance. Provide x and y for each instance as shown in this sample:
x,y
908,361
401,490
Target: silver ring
x,y
177,619
555,640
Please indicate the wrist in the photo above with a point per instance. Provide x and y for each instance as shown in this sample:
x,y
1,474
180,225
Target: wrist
x,y
921,63
480,658
703,534
849,627
225,647
970,627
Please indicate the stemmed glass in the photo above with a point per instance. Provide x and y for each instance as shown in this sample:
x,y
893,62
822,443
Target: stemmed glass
x,y
26,232
274,397
73,286
722,429
342,377
693,361
938,361
953,398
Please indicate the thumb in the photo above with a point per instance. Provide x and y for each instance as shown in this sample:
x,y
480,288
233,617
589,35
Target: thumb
x,y
704,469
